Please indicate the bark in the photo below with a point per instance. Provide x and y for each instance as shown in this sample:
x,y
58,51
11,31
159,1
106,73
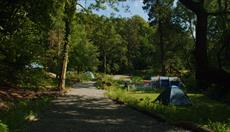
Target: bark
x,y
70,8
162,55
201,45
61,84
162,51
105,63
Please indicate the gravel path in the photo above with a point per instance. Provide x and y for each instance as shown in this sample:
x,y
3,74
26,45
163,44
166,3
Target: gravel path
x,y
86,109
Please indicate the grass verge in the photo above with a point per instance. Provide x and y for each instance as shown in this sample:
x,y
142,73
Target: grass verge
x,y
21,112
204,111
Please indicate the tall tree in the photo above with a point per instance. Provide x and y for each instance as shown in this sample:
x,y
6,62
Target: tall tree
x,y
70,9
203,71
160,13
23,30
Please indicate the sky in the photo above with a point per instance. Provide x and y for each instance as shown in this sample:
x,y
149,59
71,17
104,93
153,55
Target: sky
x,y
135,8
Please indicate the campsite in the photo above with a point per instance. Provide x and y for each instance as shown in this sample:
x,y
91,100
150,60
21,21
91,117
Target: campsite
x,y
114,65
185,109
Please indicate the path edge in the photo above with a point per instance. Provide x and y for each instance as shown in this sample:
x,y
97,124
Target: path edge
x,y
161,118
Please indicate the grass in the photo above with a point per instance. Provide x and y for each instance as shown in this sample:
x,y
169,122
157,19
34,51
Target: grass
x,y
16,118
204,111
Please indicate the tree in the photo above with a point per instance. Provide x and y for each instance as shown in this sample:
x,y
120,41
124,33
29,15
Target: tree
x,y
160,14
23,31
83,54
137,34
203,72
111,45
70,8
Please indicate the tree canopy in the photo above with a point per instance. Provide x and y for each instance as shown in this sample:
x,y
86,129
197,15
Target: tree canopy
x,y
187,36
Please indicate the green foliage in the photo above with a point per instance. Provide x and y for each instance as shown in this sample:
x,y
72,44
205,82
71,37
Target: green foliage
x,y
111,46
16,117
137,79
19,50
3,127
204,111
122,48
83,54
103,81
24,37
35,79
74,76
219,127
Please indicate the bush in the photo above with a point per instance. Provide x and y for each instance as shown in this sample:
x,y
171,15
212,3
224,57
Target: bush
x,y
219,127
104,81
3,127
34,79
137,79
16,117
77,77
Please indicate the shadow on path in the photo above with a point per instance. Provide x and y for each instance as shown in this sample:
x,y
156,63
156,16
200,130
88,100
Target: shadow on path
x,y
85,109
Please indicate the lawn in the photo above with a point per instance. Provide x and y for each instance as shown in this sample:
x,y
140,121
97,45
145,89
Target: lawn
x,y
204,111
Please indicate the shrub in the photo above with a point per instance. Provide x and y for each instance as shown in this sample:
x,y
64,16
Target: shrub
x,y
3,127
74,76
219,127
137,79
16,118
104,81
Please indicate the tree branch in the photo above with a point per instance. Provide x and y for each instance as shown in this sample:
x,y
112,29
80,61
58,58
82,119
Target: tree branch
x,y
86,10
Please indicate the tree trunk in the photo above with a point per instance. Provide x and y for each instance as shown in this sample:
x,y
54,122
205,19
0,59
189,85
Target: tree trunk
x,y
105,63
70,8
201,46
162,54
61,84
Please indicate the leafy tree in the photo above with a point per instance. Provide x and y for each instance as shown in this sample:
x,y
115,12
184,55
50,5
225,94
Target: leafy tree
x,y
83,54
110,44
138,35
160,14
23,31
172,38
204,73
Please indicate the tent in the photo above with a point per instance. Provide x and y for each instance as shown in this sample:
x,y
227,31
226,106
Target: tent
x,y
160,81
90,75
174,96
165,81
175,81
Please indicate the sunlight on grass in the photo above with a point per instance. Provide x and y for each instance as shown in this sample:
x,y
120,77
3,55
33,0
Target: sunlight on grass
x,y
204,111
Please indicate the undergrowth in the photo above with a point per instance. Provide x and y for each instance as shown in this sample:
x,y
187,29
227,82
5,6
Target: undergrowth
x,y
16,118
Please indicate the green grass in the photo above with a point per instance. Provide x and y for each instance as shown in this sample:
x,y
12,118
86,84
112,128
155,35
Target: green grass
x,y
15,118
204,111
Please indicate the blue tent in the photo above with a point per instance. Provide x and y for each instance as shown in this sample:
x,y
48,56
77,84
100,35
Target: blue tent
x,y
165,82
174,96
160,81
